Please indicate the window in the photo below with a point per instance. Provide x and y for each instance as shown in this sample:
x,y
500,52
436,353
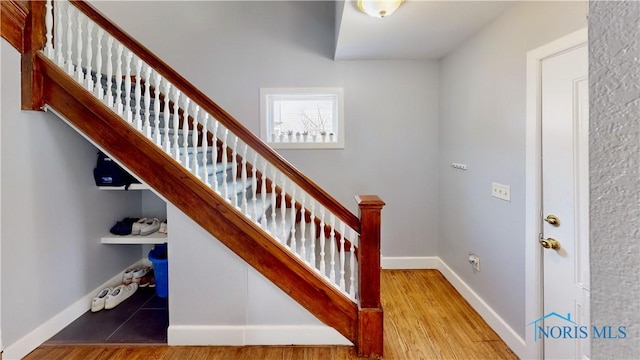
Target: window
x,y
302,118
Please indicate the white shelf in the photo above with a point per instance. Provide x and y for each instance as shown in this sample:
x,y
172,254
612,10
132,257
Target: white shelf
x,y
135,186
155,238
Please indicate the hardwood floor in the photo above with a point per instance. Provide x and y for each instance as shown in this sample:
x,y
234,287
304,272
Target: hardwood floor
x,y
425,318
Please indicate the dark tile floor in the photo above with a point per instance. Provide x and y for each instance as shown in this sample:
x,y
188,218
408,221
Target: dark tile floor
x,y
143,318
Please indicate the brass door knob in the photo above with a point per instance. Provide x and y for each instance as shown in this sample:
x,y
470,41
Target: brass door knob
x,y
550,243
552,220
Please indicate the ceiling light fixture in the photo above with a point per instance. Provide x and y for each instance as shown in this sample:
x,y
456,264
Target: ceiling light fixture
x,y
379,8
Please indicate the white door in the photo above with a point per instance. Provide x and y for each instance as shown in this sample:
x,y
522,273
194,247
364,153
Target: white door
x,y
565,205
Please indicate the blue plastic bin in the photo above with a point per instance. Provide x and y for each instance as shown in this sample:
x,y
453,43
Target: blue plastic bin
x,y
158,257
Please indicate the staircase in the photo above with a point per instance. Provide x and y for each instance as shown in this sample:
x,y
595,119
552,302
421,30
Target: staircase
x,y
114,91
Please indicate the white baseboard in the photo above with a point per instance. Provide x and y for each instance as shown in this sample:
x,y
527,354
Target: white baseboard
x,y
409,262
44,332
254,335
506,333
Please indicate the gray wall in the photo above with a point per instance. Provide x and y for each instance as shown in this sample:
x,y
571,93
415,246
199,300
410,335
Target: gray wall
x,y
232,49
614,40
52,214
482,124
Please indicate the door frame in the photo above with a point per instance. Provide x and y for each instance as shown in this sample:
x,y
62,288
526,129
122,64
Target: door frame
x,y
533,181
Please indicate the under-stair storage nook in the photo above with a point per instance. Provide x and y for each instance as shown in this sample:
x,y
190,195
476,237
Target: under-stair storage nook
x,y
204,163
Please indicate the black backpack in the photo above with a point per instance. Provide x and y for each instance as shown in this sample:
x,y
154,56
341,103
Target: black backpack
x,y
108,173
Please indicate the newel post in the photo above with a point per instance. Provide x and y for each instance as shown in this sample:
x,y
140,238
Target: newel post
x,y
33,41
370,315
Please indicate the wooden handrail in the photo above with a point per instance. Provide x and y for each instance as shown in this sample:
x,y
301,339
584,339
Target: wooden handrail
x,y
221,115
13,17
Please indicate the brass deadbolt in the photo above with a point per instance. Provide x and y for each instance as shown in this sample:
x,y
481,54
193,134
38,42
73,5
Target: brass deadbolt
x,y
552,220
550,243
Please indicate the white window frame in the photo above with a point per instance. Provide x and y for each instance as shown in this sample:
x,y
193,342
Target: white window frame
x,y
328,141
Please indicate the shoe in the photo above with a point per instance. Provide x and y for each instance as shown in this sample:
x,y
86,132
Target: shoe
x,y
119,294
139,273
98,302
123,227
163,227
151,226
127,277
136,226
148,279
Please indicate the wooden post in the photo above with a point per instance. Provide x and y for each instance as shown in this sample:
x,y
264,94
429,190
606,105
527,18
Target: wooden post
x,y
33,41
370,314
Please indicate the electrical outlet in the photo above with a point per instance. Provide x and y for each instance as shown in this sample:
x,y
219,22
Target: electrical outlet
x,y
459,166
501,191
474,260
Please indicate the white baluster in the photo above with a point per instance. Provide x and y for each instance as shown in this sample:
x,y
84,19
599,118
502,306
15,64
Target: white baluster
x,y
156,110
243,175
166,116
283,210
352,265
89,55
147,101
109,86
118,99
254,187
322,243
185,133
176,126
234,171
69,40
273,203
341,251
59,28
127,87
79,71
303,226
205,148
225,190
48,20
214,158
263,195
137,94
294,246
312,230
99,87
332,247
194,141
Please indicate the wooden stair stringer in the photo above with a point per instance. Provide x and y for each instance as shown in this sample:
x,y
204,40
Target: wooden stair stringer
x,y
195,199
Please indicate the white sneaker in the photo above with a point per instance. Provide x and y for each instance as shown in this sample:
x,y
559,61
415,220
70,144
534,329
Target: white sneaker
x,y
119,294
138,273
98,302
127,277
136,226
151,226
163,227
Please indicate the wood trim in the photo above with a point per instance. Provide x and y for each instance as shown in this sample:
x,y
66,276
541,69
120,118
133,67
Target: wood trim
x,y
220,114
370,316
198,201
370,333
369,265
13,17
33,41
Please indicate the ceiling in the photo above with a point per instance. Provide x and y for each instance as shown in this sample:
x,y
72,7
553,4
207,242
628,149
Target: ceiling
x,y
419,29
